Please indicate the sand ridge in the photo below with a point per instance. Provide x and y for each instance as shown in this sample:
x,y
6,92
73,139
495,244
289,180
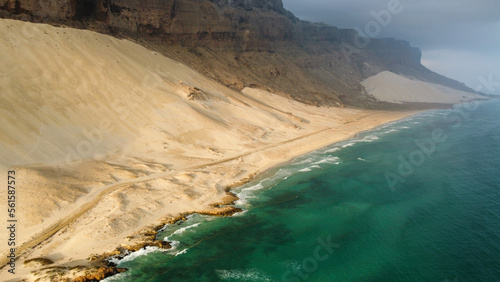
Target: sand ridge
x,y
390,87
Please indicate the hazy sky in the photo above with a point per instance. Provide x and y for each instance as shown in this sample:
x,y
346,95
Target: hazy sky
x,y
458,38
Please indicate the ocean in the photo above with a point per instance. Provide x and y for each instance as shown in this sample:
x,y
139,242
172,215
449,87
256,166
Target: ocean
x,y
414,200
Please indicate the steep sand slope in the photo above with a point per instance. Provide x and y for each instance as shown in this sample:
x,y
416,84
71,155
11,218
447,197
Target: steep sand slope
x,y
107,138
394,88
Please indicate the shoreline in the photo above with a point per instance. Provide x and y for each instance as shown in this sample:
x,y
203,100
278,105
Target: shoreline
x,y
96,265
228,203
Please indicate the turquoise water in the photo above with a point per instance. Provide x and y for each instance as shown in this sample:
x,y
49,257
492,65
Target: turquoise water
x,y
345,213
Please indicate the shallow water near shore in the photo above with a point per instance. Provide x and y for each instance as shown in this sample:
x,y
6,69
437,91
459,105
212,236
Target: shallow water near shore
x,y
414,200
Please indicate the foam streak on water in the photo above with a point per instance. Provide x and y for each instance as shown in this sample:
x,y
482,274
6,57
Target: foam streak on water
x,y
181,230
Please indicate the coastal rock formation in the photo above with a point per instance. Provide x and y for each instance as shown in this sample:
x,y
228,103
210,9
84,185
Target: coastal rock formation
x,y
244,43
99,274
222,212
229,199
96,272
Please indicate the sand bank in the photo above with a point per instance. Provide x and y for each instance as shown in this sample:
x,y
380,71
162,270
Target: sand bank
x,y
390,87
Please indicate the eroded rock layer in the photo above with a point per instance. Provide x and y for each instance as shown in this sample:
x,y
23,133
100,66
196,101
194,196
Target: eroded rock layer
x,y
242,43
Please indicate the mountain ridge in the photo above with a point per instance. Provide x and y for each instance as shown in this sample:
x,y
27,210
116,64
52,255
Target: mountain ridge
x,y
243,43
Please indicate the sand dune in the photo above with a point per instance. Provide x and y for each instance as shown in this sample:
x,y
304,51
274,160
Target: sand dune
x,y
108,137
391,87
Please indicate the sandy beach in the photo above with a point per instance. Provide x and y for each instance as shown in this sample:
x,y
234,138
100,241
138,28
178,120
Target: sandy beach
x,y
108,138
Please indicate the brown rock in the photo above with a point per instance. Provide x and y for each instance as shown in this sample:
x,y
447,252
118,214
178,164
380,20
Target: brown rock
x,y
197,94
223,212
98,274
229,199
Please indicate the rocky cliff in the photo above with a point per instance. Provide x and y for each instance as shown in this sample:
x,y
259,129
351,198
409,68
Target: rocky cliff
x,y
242,43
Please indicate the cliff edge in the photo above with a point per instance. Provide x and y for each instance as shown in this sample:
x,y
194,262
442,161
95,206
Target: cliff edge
x,y
245,43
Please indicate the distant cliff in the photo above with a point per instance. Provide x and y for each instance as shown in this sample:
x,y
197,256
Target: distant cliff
x,y
244,43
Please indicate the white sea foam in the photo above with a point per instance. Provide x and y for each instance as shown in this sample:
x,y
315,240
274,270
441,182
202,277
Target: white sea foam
x,y
283,173
240,213
117,277
114,260
134,255
306,161
332,150
166,225
391,130
242,275
181,230
173,243
248,193
348,145
254,187
324,160
181,252
174,246
328,160
371,138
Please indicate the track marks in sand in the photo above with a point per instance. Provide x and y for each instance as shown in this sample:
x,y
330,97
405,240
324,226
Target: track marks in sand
x,y
68,219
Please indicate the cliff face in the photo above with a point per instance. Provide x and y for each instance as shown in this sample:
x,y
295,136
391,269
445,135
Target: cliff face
x,y
243,43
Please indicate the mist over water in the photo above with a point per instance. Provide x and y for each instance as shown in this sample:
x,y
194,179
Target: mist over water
x,y
335,215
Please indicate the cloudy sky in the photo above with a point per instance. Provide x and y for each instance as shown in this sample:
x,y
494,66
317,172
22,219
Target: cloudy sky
x,y
458,38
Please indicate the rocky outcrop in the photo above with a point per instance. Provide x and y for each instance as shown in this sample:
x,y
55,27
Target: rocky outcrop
x,y
222,211
99,274
395,52
243,43
95,272
229,199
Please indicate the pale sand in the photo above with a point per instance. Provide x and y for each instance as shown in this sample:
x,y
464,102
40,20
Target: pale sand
x,y
391,87
105,141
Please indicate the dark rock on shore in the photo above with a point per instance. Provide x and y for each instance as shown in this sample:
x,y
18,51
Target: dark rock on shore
x,y
99,274
223,211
